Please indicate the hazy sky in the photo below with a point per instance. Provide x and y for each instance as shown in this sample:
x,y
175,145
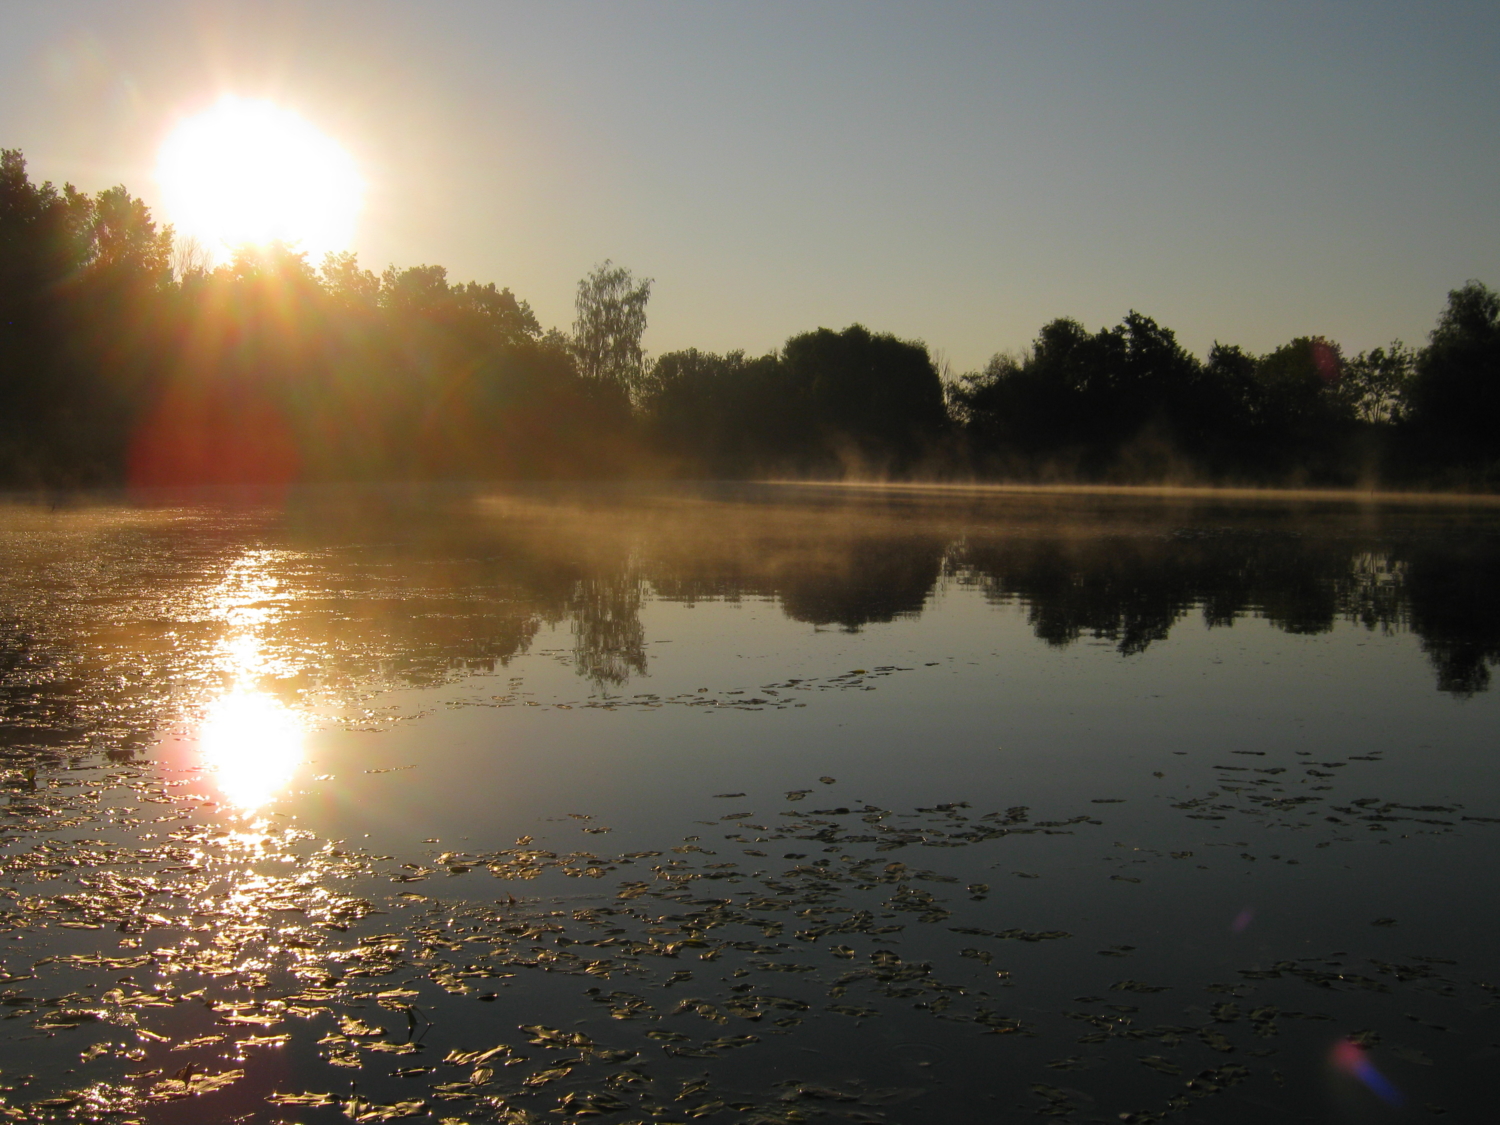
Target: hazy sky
x,y
958,173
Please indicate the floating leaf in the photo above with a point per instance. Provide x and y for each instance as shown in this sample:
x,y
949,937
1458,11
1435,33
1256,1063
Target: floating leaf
x,y
313,1100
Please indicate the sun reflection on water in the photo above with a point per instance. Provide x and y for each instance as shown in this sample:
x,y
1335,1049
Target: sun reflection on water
x,y
250,739
253,742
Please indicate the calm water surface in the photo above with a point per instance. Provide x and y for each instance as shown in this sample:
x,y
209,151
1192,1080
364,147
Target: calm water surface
x,y
749,804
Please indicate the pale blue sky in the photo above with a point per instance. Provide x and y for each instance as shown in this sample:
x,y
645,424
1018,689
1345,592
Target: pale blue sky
x,y
955,172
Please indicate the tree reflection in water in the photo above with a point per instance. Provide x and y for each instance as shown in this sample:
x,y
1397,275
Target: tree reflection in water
x,y
610,641
121,623
331,598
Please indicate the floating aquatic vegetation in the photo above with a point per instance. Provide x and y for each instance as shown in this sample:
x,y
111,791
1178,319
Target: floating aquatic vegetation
x,y
174,958
281,960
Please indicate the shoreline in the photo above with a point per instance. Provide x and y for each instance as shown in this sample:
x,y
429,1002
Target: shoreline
x,y
1163,491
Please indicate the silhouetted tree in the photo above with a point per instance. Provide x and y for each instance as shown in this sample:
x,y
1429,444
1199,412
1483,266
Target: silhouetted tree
x,y
1455,395
1301,400
851,401
611,319
80,285
123,355
871,402
1086,397
714,413
1377,383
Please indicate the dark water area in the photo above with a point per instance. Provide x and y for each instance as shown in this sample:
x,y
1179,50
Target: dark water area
x,y
748,803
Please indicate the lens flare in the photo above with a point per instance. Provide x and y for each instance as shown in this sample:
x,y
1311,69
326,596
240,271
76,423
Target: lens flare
x,y
247,172
1350,1058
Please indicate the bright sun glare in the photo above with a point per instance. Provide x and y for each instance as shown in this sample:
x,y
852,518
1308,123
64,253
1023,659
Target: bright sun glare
x,y
253,743
249,172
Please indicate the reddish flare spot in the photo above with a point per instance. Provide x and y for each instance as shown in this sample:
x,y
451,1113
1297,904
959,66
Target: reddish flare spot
x,y
207,438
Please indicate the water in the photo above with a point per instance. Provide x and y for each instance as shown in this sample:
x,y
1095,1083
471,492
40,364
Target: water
x,y
748,803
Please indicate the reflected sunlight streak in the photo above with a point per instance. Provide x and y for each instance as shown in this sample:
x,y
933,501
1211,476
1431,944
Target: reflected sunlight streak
x,y
250,739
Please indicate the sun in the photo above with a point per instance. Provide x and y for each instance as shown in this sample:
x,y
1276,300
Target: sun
x,y
248,172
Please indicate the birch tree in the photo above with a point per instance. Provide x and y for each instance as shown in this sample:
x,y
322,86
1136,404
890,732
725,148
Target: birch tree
x,y
611,319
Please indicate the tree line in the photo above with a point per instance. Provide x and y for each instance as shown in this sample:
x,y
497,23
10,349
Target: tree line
x,y
123,358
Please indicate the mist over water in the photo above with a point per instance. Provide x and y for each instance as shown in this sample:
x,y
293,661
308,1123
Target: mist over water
x,y
748,803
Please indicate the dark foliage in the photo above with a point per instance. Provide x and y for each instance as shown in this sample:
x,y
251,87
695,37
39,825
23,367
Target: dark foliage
x,y
1129,401
831,403
117,365
1455,396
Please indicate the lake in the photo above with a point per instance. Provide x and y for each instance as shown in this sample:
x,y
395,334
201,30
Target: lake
x,y
749,803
